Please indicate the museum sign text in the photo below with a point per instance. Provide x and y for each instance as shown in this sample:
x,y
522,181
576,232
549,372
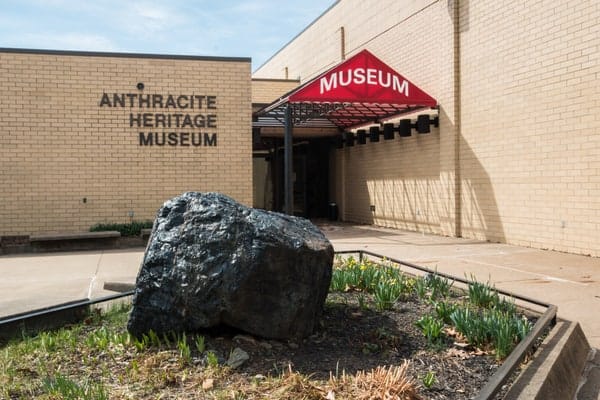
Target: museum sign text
x,y
169,120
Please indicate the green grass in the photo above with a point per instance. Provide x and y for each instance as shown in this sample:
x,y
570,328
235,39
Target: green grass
x,y
88,360
67,389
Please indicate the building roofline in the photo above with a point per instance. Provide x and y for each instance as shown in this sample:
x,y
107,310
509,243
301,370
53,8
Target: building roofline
x,y
275,80
121,55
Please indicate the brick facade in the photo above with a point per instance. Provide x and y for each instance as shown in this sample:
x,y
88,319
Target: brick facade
x,y
516,158
71,158
265,91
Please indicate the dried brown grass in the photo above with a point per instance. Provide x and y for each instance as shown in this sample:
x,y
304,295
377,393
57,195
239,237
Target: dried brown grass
x,y
381,383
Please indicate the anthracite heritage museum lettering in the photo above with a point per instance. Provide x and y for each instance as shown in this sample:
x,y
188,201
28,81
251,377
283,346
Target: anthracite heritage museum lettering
x,y
196,123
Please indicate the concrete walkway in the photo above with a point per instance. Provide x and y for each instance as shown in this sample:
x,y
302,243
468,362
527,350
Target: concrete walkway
x,y
33,281
569,281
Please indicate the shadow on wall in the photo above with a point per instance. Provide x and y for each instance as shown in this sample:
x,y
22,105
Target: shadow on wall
x,y
395,183
409,183
479,213
405,187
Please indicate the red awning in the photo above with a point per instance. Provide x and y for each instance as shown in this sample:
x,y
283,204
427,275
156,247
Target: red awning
x,y
358,91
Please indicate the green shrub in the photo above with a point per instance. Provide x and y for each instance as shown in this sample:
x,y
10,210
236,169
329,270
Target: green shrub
x,y
133,228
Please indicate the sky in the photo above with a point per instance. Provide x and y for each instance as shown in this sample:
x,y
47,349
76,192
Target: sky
x,y
225,28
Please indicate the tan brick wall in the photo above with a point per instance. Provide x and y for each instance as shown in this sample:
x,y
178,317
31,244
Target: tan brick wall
x,y
522,150
530,147
264,91
59,146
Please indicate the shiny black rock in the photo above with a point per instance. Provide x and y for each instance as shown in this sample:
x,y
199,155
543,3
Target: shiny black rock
x,y
211,261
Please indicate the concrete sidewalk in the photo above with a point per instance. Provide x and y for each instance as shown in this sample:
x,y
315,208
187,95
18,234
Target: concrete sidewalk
x,y
569,281
33,281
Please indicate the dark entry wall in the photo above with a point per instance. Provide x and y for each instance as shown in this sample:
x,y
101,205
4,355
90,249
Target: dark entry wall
x,y
311,177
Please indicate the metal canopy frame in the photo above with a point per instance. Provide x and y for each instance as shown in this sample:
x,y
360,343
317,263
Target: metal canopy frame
x,y
351,111
327,115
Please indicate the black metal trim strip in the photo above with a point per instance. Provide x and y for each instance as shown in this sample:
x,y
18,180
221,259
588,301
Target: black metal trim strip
x,y
60,307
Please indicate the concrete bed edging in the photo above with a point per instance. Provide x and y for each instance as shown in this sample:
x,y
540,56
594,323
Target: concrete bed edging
x,y
556,368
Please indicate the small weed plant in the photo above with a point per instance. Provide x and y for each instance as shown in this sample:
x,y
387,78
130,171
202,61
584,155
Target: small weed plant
x,y
200,344
429,379
185,351
212,360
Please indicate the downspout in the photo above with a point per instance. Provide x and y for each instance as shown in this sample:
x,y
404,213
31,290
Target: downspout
x,y
457,124
342,43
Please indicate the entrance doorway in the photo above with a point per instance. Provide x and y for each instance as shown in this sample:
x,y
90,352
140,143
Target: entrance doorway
x,y
310,177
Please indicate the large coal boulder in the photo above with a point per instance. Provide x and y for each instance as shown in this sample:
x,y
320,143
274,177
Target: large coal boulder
x,y
211,261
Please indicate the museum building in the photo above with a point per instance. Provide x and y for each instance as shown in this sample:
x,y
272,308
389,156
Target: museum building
x,y
90,138
457,118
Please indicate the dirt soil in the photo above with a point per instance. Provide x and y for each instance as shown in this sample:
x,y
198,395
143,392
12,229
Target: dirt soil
x,y
352,338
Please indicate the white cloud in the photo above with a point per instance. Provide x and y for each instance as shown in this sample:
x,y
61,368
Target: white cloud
x,y
154,14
